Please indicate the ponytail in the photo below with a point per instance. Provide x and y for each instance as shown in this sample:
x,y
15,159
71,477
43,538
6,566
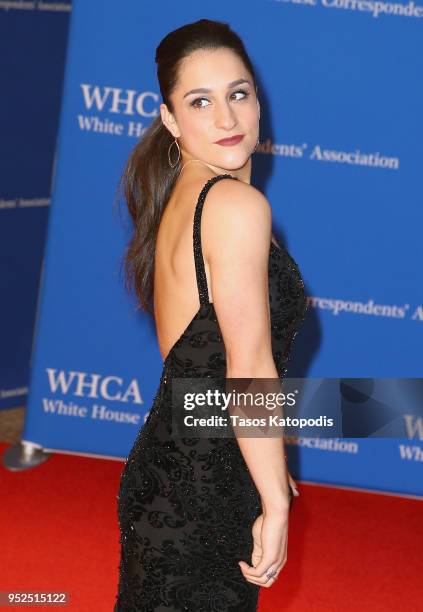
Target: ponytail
x,y
146,182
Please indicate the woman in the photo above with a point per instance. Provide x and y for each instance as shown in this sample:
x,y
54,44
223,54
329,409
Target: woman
x,y
203,520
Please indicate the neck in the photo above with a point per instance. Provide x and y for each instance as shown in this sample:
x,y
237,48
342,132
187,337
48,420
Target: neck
x,y
242,174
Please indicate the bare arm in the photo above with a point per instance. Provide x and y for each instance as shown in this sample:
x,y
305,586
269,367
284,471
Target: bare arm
x,y
236,234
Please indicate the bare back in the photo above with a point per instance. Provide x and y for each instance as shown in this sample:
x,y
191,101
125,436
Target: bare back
x,y
175,288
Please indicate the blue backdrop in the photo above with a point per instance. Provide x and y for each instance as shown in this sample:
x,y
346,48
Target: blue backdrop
x,y
33,38
339,159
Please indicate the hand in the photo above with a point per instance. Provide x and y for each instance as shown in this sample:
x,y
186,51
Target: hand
x,y
270,536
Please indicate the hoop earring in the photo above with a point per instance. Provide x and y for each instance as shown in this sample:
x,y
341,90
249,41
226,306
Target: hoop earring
x,y
257,143
179,153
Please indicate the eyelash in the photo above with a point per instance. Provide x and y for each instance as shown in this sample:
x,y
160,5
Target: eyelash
x,y
246,94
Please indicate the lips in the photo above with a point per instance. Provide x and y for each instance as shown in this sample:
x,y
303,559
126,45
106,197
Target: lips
x,y
229,142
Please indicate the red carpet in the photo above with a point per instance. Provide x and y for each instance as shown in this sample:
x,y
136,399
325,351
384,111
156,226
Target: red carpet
x,y
348,551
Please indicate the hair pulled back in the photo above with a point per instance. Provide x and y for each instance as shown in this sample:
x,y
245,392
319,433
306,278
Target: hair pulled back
x,y
147,178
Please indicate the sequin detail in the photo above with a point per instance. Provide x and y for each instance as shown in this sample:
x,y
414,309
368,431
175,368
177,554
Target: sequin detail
x,y
186,507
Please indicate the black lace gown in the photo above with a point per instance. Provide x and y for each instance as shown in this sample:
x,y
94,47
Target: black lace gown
x,y
186,506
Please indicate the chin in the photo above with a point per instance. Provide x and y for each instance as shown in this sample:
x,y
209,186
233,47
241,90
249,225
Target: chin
x,y
233,162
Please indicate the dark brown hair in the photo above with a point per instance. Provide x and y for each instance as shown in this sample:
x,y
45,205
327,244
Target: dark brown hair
x,y
148,179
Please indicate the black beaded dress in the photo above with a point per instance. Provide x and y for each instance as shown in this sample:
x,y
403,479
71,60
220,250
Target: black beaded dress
x,y
186,506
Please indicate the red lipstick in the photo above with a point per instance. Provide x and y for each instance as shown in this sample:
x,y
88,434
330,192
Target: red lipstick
x,y
230,142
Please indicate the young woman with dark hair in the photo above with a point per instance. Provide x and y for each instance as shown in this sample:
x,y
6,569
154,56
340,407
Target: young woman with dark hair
x,y
204,521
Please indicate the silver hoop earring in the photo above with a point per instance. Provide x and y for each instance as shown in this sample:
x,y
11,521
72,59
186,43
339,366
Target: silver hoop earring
x,y
179,153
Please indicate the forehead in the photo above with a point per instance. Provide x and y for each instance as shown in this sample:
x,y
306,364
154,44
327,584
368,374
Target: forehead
x,y
211,68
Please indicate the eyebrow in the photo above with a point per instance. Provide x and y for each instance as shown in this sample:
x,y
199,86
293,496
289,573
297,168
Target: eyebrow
x,y
205,90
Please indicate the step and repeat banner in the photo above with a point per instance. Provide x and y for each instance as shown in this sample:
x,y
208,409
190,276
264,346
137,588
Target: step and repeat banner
x,y
339,159
33,37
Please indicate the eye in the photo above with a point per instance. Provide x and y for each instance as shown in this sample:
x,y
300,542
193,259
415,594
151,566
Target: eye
x,y
195,104
243,92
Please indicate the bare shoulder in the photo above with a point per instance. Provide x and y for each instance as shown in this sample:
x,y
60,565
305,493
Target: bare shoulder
x,y
232,195
235,212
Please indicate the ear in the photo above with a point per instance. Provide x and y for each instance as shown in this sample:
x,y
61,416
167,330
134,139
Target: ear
x,y
258,108
169,121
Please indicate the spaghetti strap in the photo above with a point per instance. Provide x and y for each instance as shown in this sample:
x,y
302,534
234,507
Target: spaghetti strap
x,y
200,272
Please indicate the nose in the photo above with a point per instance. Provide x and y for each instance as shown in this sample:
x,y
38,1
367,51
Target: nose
x,y
225,117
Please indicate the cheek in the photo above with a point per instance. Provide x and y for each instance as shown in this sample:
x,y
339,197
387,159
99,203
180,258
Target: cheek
x,y
250,115
195,126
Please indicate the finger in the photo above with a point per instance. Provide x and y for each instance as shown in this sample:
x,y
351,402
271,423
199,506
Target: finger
x,y
255,581
262,579
275,571
269,583
260,569
293,485
244,569
265,581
